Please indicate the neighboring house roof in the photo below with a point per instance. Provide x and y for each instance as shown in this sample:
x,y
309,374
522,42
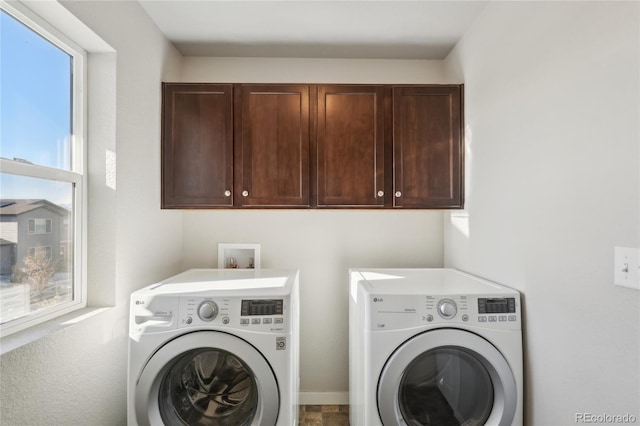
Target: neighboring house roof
x,y
15,207
4,242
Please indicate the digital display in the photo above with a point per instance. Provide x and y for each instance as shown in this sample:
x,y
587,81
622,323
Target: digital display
x,y
262,307
502,305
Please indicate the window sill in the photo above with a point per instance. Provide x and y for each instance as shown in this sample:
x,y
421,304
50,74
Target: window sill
x,y
31,334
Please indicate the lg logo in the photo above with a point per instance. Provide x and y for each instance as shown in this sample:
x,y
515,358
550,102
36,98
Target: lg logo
x,y
377,299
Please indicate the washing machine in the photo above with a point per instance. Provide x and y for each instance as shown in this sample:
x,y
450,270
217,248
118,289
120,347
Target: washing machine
x,y
433,347
215,347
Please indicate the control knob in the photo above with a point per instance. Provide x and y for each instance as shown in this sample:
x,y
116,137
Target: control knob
x,y
208,310
447,308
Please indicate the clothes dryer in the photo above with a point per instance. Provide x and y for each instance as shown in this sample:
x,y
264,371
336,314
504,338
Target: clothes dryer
x,y
215,347
433,347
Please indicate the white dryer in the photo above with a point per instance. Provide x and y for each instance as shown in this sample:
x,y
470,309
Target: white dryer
x,y
215,347
433,347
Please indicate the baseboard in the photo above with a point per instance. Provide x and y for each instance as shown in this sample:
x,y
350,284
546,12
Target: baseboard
x,y
324,398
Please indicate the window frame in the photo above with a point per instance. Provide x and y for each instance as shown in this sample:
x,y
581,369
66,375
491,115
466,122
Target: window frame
x,y
76,176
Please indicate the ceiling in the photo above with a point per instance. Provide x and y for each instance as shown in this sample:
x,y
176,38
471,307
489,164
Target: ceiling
x,y
314,29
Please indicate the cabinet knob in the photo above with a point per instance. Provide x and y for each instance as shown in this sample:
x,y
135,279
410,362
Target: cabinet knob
x,y
245,193
380,193
398,194
227,193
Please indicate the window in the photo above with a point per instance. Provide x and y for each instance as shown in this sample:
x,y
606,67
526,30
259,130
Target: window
x,y
39,226
42,171
40,252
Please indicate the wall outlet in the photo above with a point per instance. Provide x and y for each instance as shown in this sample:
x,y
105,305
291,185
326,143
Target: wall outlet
x,y
626,266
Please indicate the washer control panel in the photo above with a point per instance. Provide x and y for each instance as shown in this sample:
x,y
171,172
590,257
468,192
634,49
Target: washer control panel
x,y
497,305
391,312
242,313
261,307
497,309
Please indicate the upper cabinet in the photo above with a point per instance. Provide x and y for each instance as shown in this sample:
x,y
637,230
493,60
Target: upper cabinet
x,y
350,146
308,145
272,141
427,147
197,145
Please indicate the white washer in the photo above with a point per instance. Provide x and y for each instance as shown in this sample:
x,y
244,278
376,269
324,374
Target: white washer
x,y
215,346
433,347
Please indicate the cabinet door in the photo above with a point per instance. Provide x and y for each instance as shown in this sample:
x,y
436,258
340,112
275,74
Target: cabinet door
x,y
273,144
428,148
350,146
197,145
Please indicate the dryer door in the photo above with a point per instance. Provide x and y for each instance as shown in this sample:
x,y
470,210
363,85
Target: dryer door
x,y
207,378
447,377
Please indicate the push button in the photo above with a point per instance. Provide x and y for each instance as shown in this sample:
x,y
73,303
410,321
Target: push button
x,y
255,320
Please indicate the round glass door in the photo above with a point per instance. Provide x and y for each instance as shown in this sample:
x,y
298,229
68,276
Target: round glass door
x,y
447,377
446,387
208,387
207,378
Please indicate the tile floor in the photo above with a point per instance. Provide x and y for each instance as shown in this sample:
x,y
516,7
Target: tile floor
x,y
324,415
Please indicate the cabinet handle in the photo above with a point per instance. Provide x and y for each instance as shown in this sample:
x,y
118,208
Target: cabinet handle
x,y
245,193
398,194
380,193
227,193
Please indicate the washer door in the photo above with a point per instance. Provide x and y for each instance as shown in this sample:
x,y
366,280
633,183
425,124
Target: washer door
x,y
207,378
447,377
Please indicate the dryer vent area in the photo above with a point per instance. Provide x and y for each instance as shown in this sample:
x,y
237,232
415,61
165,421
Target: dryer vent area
x,y
324,415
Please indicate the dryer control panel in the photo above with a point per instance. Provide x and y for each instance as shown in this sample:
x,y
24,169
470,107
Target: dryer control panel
x,y
393,312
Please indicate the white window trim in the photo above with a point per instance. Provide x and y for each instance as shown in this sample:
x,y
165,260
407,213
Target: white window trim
x,y
76,176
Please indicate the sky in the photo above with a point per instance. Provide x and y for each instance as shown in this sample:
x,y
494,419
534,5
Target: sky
x,y
35,109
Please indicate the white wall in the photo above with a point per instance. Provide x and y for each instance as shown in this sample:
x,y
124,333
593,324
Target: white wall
x,y
552,116
290,70
77,376
322,244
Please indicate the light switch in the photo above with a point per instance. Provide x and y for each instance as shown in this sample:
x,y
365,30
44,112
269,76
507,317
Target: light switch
x,y
626,267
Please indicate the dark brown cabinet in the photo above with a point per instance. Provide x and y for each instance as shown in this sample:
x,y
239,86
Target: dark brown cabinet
x,y
272,140
350,146
259,158
427,147
308,145
197,145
